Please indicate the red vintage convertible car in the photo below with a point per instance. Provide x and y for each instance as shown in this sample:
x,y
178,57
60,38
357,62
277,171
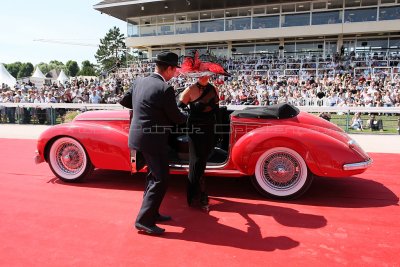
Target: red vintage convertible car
x,y
279,147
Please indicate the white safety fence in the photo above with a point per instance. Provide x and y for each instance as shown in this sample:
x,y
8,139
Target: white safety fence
x,y
52,110
307,108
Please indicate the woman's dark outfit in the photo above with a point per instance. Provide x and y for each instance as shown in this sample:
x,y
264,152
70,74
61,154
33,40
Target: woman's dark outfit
x,y
201,124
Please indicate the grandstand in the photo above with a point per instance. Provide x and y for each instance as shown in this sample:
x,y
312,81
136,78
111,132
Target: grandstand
x,y
261,28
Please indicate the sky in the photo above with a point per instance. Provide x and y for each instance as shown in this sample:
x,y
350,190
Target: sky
x,y
76,21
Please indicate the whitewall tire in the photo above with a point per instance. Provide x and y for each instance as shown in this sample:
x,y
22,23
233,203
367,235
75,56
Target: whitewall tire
x,y
68,160
281,173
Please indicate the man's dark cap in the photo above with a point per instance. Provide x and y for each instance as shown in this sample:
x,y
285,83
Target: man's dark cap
x,y
168,58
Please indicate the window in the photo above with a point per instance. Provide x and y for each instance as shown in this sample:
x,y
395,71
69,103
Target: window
x,y
148,21
205,15
296,20
217,14
189,50
265,22
166,29
388,1
330,47
165,19
219,51
133,28
369,2
212,26
267,48
231,13
319,5
394,42
360,15
290,48
193,16
273,9
238,24
330,17
259,10
372,43
244,49
187,17
332,4
288,8
389,13
302,7
187,27
148,30
309,47
243,12
353,3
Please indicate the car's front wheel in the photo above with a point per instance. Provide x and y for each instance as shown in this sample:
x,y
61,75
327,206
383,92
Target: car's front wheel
x,y
281,173
68,160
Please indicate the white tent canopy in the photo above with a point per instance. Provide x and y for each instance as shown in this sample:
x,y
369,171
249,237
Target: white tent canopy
x,y
38,74
62,77
6,77
38,78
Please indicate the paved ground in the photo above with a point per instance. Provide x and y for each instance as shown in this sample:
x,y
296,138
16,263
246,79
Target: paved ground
x,y
44,222
369,142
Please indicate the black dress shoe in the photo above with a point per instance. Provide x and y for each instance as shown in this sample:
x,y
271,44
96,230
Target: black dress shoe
x,y
152,230
163,218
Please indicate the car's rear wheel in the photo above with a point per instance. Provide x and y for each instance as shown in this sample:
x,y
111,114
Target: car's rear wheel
x,y
281,173
68,160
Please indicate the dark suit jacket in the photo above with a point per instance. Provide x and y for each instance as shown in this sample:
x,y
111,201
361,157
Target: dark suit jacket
x,y
154,114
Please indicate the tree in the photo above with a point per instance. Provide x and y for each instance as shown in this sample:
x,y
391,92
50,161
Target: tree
x,y
72,68
13,68
88,69
57,65
25,70
111,49
44,67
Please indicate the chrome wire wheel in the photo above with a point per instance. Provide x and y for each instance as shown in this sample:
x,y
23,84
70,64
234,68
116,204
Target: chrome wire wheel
x,y
68,159
281,173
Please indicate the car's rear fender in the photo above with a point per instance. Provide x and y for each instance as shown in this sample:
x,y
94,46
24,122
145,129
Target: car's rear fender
x,y
321,152
107,147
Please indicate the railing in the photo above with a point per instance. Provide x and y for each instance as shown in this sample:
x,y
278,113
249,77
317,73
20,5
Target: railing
x,y
320,68
312,107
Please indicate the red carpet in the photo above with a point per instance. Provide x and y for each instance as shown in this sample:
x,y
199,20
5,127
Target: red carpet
x,y
350,221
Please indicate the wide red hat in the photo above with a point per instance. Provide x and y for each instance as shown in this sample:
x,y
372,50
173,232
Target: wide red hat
x,y
193,66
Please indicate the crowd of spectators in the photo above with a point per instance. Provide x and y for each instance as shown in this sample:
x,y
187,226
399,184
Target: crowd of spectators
x,y
335,81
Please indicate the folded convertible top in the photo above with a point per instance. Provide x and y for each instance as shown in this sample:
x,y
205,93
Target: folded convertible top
x,y
278,111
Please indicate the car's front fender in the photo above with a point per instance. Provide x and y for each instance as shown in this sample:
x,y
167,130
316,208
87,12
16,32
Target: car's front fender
x,y
106,146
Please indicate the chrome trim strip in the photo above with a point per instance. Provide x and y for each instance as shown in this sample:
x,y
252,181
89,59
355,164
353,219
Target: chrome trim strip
x,y
358,165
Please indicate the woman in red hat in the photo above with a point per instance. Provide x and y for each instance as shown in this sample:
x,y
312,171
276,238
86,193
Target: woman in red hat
x,y
203,102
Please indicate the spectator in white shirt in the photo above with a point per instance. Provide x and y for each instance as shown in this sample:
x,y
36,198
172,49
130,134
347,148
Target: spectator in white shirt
x,y
94,98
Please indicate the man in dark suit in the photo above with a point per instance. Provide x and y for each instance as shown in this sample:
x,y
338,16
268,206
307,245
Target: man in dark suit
x,y
154,114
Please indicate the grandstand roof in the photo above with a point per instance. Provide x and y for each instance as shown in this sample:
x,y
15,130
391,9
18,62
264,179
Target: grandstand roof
x,y
118,8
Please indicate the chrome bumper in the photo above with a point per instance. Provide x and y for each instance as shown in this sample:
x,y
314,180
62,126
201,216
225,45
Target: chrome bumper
x,y
357,166
38,159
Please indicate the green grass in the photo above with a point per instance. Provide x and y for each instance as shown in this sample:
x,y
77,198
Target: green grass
x,y
390,123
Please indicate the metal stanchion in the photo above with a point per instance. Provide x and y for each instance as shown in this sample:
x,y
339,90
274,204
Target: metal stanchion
x,y
347,120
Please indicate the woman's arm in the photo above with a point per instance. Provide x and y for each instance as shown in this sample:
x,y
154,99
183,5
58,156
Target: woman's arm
x,y
184,98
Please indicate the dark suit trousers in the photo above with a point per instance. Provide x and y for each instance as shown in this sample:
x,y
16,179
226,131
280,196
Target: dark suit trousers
x,y
156,187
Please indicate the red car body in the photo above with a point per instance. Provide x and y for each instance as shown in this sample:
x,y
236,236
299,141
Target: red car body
x,y
267,150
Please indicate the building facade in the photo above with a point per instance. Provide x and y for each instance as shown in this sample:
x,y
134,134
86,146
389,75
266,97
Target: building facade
x,y
259,27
